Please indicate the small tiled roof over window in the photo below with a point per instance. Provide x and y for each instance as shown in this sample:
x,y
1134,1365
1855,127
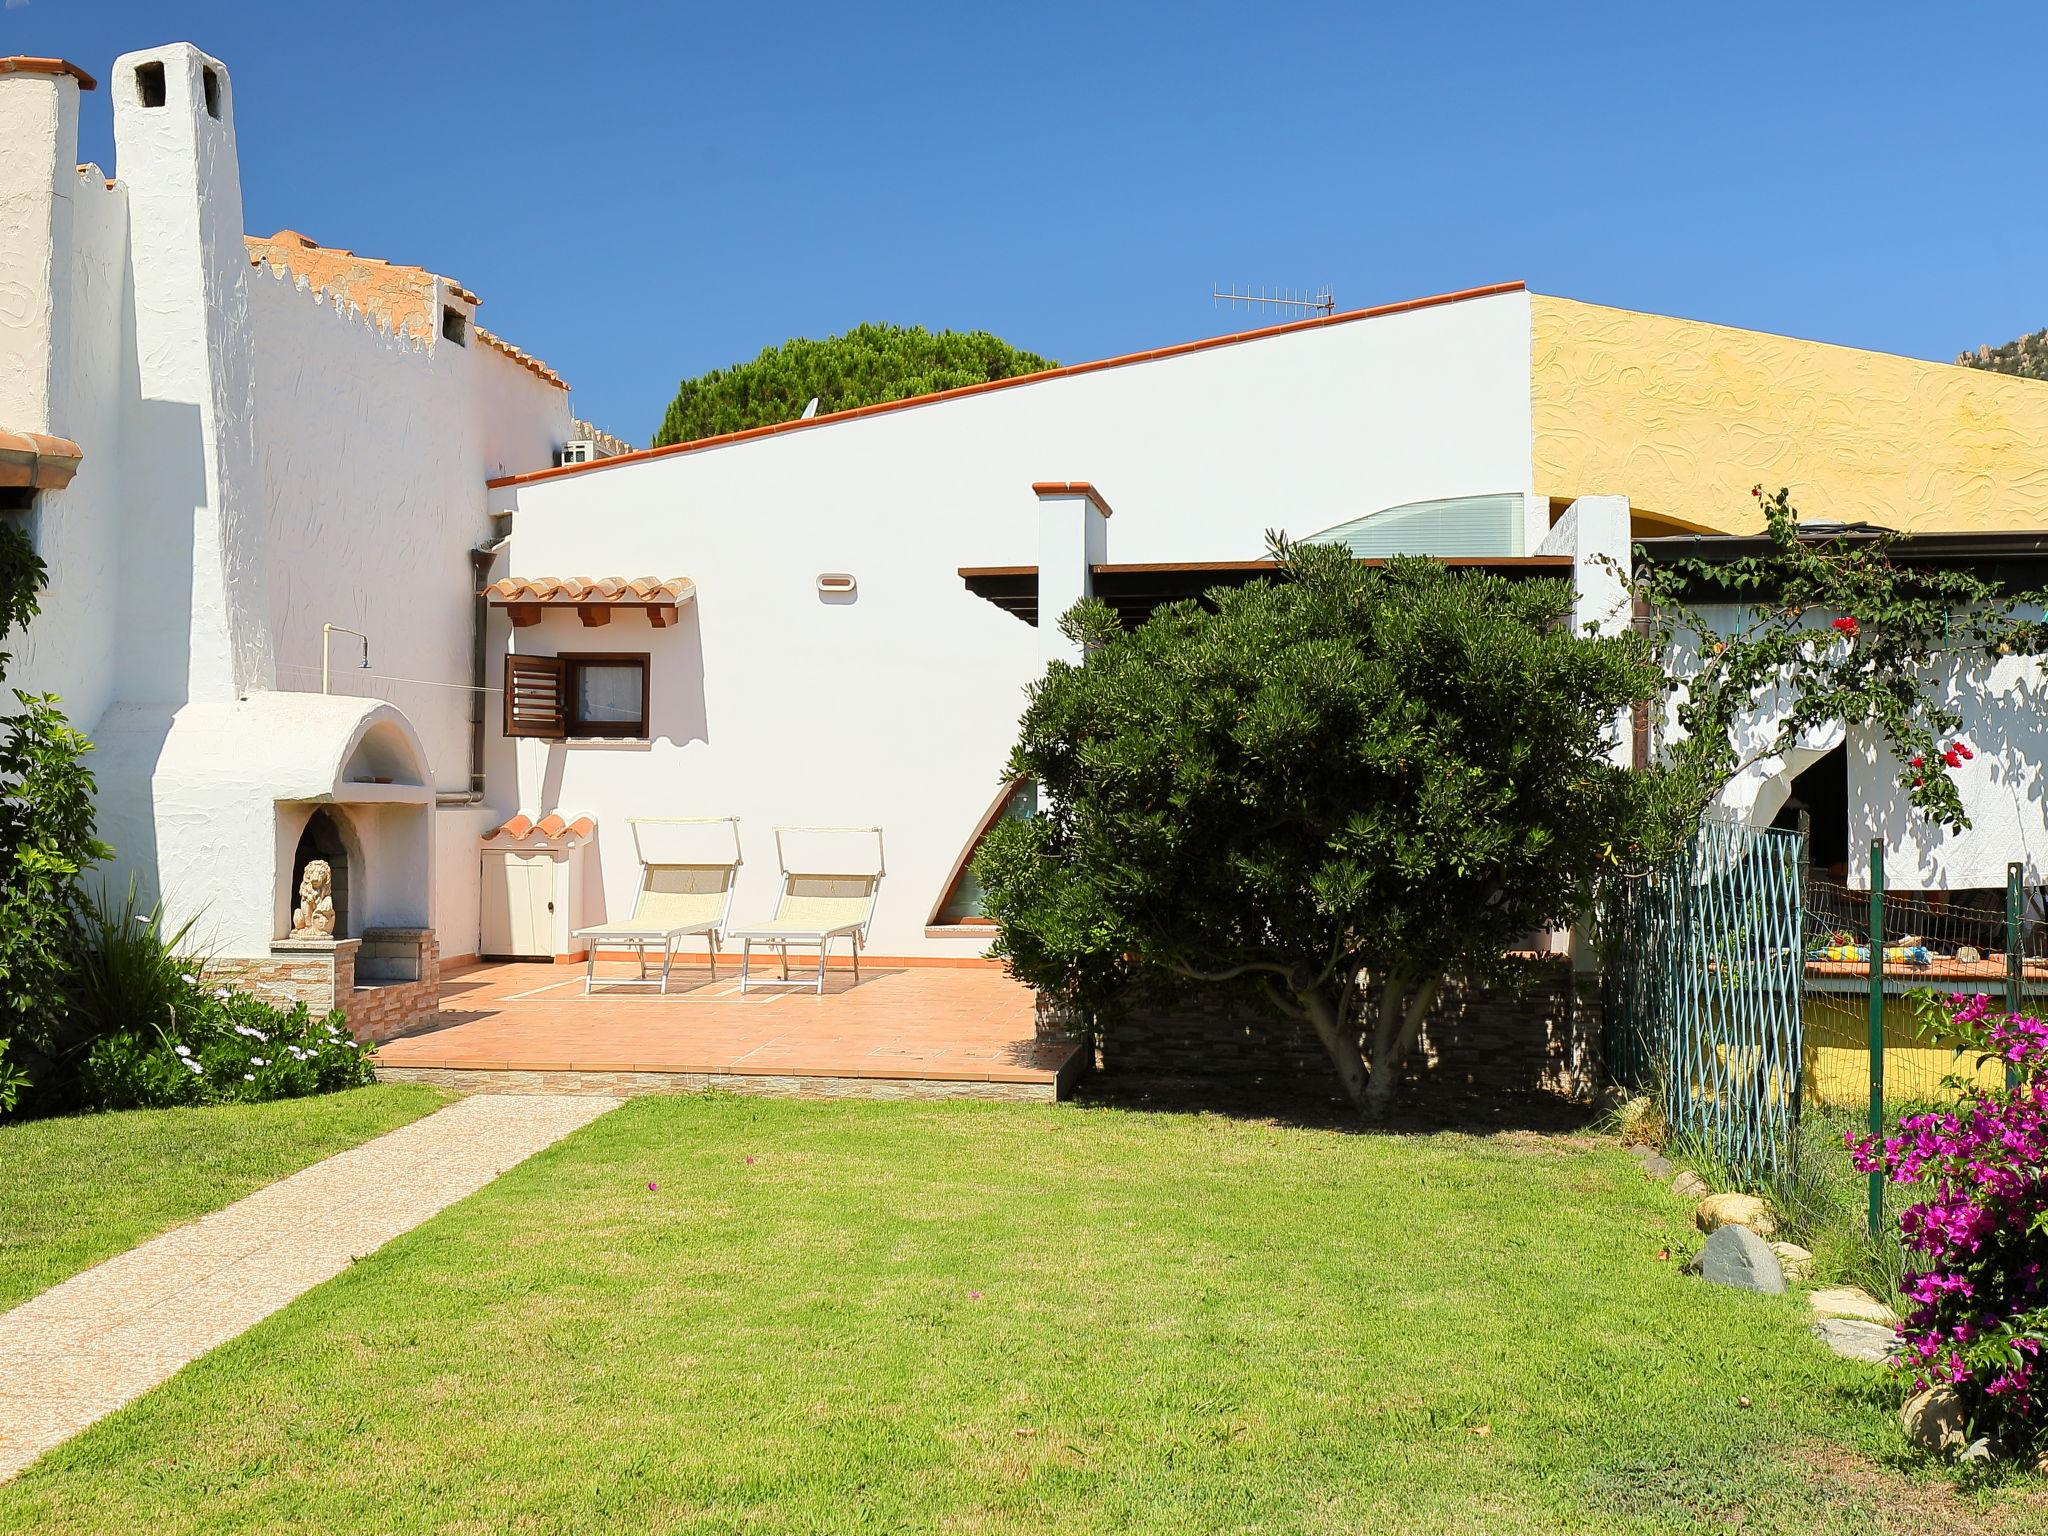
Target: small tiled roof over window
x,y
526,598
573,591
37,460
549,828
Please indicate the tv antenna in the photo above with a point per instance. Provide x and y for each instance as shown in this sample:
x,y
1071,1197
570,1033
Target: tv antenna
x,y
1286,301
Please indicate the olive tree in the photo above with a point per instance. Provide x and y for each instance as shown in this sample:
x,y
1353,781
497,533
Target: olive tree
x,y
1346,783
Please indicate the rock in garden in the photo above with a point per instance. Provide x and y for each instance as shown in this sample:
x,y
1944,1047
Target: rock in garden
x,y
1734,1255
1689,1185
1854,1339
1934,1420
1733,1210
1797,1261
1847,1301
1657,1167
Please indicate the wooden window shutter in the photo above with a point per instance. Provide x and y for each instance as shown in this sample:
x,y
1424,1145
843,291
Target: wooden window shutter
x,y
535,704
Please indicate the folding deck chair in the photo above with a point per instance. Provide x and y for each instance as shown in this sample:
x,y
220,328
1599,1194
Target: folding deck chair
x,y
675,901
815,907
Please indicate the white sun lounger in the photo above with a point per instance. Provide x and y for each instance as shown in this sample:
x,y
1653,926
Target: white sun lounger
x,y
815,907
675,901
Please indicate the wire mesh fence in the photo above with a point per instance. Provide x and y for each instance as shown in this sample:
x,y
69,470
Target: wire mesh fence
x,y
1740,988
1935,943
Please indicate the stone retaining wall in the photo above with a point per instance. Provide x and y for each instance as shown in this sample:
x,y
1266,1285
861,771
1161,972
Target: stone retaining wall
x,y
1543,1040
401,987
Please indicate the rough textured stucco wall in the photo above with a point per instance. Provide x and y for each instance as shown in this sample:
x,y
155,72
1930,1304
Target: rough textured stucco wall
x,y
1683,418
373,451
228,788
39,128
71,648
899,707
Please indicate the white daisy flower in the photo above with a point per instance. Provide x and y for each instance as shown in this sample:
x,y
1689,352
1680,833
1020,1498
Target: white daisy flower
x,y
189,979
183,1050
248,1077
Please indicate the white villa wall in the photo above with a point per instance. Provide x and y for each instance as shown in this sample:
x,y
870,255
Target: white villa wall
x,y
2004,788
899,708
66,341
257,462
374,449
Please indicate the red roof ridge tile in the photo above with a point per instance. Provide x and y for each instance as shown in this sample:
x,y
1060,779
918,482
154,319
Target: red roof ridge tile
x,y
24,64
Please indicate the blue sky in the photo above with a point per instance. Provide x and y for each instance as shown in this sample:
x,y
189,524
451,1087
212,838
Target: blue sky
x,y
640,192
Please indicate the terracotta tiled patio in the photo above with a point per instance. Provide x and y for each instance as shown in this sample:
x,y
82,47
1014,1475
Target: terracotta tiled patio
x,y
923,1033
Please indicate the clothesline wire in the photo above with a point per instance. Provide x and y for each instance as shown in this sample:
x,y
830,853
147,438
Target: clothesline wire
x,y
388,677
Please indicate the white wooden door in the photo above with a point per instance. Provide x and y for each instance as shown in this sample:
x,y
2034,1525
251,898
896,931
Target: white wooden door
x,y
519,904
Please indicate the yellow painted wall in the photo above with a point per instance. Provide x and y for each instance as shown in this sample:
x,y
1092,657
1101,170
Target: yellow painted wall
x,y
1683,418
1838,1054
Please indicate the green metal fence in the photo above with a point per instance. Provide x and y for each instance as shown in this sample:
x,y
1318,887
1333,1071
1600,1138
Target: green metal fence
x,y
1704,993
1990,940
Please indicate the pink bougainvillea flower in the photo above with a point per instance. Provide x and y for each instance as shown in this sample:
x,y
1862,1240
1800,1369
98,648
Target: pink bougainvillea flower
x,y
1964,749
1845,625
652,1185
750,1162
974,1295
1953,758
1978,1272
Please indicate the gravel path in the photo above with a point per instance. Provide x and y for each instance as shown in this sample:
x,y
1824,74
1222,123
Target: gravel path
x,y
103,1338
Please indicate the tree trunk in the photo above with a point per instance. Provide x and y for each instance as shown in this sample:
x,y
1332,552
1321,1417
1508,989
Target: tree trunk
x,y
1325,1017
1386,1061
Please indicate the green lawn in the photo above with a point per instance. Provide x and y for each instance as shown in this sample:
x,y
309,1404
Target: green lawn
x,y
990,1318
82,1188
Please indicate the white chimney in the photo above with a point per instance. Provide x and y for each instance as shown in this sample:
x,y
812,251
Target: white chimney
x,y
39,127
192,472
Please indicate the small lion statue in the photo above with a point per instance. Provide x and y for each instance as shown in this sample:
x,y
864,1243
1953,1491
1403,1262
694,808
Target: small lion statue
x,y
313,918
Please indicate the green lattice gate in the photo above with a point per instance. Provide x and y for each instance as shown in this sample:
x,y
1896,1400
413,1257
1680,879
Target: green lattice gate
x,y
1704,993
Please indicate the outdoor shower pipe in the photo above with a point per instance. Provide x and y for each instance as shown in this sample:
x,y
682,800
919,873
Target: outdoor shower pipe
x,y
480,558
327,634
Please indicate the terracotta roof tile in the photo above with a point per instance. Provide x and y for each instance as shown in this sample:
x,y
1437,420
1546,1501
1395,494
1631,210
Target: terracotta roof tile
x,y
22,65
38,460
550,828
524,360
401,296
569,591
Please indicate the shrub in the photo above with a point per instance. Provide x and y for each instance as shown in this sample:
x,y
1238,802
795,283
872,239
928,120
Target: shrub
x,y
143,1027
224,1047
1979,1237
46,841
1348,775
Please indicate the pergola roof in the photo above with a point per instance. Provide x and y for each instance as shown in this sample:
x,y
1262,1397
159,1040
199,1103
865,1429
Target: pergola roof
x,y
1135,590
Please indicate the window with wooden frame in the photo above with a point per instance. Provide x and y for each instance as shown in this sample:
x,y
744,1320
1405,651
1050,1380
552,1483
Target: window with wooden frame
x,y
586,695
960,906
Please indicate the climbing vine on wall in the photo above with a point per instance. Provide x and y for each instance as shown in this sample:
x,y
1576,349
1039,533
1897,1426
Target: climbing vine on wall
x,y
1833,629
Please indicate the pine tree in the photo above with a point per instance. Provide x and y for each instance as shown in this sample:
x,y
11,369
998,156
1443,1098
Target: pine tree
x,y
869,365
